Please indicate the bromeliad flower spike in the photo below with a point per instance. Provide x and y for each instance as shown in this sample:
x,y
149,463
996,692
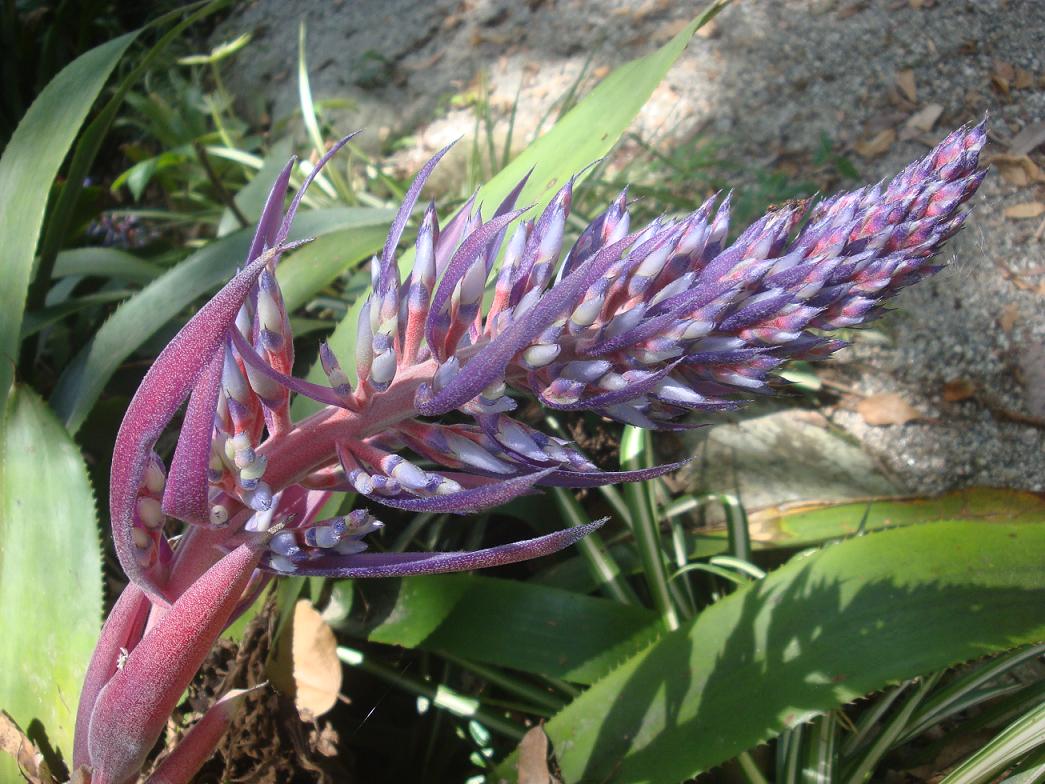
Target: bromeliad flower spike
x,y
642,326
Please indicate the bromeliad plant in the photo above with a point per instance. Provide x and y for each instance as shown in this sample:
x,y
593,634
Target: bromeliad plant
x,y
640,325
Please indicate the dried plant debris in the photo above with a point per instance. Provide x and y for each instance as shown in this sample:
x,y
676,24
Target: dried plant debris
x,y
887,409
270,743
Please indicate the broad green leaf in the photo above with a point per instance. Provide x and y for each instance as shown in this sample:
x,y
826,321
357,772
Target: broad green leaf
x,y
141,316
50,575
105,263
28,167
313,267
585,134
813,635
508,623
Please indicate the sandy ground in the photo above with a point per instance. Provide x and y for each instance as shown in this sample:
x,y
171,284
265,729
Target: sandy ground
x,y
965,350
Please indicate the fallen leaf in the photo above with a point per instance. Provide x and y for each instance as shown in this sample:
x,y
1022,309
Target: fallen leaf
x,y
1032,135
886,409
1027,209
1002,76
905,81
1018,170
1009,316
307,668
877,144
1023,80
533,758
925,118
1004,70
29,760
958,389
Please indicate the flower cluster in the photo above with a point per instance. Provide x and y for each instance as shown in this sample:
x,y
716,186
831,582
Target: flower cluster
x,y
642,325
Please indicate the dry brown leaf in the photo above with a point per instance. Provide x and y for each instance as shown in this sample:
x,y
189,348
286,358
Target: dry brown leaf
x,y
1032,135
317,670
1027,209
533,758
924,119
307,668
877,144
1004,70
958,389
886,409
905,81
1023,80
1009,316
29,760
1018,170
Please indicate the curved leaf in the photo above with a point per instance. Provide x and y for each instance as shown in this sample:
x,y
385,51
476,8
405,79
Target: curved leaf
x,y
50,575
813,635
28,167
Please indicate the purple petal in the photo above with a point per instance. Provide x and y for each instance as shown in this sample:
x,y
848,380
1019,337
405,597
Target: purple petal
x,y
268,224
448,236
395,233
468,501
599,478
288,220
133,708
166,385
407,564
489,364
317,392
185,494
505,207
184,761
631,391
462,260
121,632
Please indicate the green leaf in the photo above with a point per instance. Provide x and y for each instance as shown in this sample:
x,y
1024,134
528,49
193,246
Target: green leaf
x,y
40,319
105,263
804,523
28,167
818,632
583,136
143,314
50,575
510,624
1023,735
61,214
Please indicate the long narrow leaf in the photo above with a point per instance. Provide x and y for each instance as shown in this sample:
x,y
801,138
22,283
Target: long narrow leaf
x,y
28,167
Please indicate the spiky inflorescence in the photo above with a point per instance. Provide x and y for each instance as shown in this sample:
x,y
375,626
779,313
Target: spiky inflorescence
x,y
641,326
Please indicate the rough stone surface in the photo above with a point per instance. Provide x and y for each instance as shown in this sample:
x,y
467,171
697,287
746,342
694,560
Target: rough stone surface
x,y
771,79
